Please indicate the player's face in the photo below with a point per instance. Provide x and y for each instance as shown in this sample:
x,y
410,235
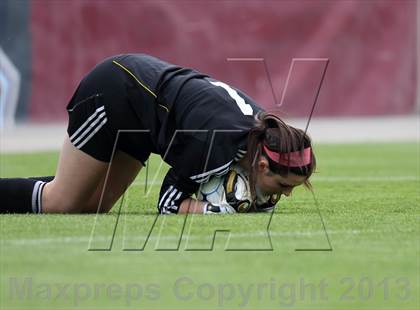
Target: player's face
x,y
271,183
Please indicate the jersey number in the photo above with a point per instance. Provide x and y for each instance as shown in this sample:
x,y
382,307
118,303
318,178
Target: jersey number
x,y
245,108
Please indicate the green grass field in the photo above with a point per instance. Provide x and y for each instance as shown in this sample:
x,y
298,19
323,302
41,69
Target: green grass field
x,y
367,257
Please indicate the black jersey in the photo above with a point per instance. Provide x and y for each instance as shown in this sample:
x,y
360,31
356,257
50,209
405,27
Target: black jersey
x,y
197,124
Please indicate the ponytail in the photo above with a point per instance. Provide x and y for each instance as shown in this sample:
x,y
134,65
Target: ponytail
x,y
287,149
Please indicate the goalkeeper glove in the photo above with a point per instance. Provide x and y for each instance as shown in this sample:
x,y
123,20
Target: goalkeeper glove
x,y
213,209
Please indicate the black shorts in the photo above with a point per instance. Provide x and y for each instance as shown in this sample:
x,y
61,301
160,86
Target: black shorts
x,y
101,119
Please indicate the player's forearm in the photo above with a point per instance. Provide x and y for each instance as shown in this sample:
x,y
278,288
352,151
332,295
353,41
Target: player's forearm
x,y
191,205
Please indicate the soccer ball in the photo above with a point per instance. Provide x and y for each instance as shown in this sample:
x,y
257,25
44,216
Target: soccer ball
x,y
232,189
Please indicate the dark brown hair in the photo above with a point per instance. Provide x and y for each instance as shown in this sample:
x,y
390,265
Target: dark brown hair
x,y
279,137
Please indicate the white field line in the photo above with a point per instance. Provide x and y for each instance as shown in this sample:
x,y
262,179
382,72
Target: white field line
x,y
401,178
140,238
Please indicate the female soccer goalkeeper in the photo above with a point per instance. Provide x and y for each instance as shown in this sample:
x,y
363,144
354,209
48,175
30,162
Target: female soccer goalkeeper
x,y
130,106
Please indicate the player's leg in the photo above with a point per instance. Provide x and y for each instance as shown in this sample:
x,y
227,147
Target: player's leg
x,y
18,195
76,179
80,181
121,173
98,110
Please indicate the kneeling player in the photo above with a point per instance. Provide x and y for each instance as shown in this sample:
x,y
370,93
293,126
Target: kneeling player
x,y
130,106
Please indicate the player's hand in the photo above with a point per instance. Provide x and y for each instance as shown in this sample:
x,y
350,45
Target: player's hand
x,y
221,209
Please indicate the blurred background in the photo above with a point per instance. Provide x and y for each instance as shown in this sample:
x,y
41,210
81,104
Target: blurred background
x,y
371,48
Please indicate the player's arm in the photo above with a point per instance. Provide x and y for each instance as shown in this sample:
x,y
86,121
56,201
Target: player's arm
x,y
175,197
191,205
174,191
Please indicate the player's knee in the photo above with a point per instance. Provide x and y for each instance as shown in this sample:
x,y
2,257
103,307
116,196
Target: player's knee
x,y
75,206
70,205
62,205
55,202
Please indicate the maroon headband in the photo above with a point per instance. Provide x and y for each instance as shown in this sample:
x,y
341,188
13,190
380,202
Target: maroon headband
x,y
297,159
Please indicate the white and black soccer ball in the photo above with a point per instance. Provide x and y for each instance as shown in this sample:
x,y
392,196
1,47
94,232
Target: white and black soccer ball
x,y
232,189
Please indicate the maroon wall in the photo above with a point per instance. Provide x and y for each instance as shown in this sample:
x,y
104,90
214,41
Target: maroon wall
x,y
370,44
